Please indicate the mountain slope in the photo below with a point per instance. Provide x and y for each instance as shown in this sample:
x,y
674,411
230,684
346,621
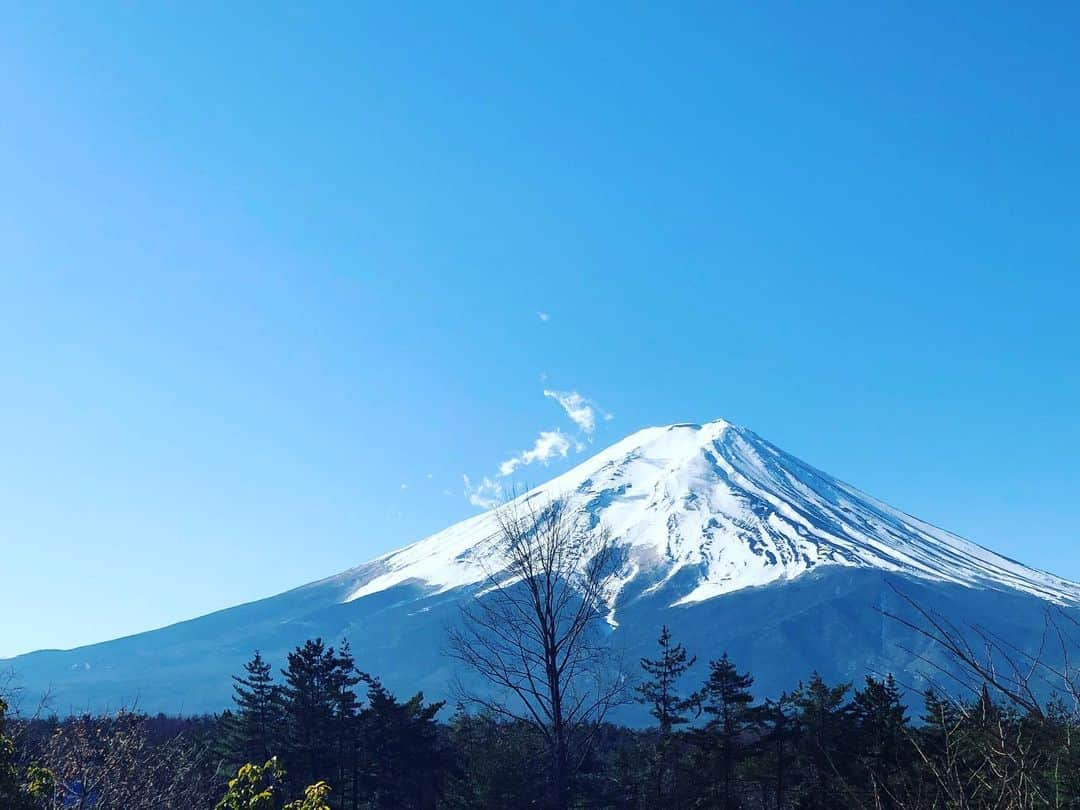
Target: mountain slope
x,y
729,509
726,538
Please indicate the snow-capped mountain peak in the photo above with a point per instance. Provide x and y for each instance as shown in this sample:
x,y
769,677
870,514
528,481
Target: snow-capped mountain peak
x,y
711,509
735,544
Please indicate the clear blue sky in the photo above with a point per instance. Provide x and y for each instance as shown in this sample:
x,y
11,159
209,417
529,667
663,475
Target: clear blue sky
x,y
260,267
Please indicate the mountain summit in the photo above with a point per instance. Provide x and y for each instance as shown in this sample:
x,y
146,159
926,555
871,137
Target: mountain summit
x,y
718,509
722,536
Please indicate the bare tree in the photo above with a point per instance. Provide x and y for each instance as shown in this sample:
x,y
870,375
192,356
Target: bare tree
x,y
996,748
114,762
1026,679
535,633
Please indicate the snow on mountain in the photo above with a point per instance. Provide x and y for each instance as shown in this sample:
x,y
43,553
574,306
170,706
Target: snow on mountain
x,y
725,510
734,544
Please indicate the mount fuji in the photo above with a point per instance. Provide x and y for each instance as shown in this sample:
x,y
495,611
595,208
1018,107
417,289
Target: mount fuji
x,y
724,537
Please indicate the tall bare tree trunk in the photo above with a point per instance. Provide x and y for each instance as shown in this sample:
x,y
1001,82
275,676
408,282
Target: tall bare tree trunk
x,y
535,633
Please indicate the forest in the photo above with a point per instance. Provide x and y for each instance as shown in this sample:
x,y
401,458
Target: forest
x,y
532,726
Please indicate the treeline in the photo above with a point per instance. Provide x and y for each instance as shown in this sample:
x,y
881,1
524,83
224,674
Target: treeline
x,y
324,734
327,721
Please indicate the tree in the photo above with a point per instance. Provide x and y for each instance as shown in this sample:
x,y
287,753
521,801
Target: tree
x,y
346,722
533,634
495,763
20,791
883,745
316,797
775,750
118,761
825,727
254,729
255,787
260,787
661,693
404,763
320,709
726,700
1011,741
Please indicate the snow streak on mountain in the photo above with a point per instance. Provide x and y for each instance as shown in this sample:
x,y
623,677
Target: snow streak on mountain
x,y
714,508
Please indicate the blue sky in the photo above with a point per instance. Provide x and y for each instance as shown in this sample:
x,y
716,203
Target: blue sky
x,y
270,277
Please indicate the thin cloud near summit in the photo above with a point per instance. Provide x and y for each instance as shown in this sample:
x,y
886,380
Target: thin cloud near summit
x,y
549,445
581,410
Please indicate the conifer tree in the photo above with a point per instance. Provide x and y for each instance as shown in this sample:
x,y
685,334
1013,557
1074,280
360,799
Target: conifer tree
x,y
661,693
495,763
883,747
941,720
346,723
825,736
404,760
254,729
319,704
725,698
775,746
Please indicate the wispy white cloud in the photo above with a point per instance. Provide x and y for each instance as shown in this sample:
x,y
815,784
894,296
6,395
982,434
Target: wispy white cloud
x,y
490,492
485,494
404,486
549,444
581,410
544,316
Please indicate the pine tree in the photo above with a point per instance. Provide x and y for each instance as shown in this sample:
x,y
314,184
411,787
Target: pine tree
x,y
661,693
404,760
883,747
941,721
318,700
825,734
725,698
495,763
775,758
346,720
254,729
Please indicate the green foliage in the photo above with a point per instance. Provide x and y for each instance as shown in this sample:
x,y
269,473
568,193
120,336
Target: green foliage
x,y
387,754
660,690
260,787
822,746
316,797
40,783
320,714
883,749
402,755
254,730
20,791
255,787
824,718
496,763
726,701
